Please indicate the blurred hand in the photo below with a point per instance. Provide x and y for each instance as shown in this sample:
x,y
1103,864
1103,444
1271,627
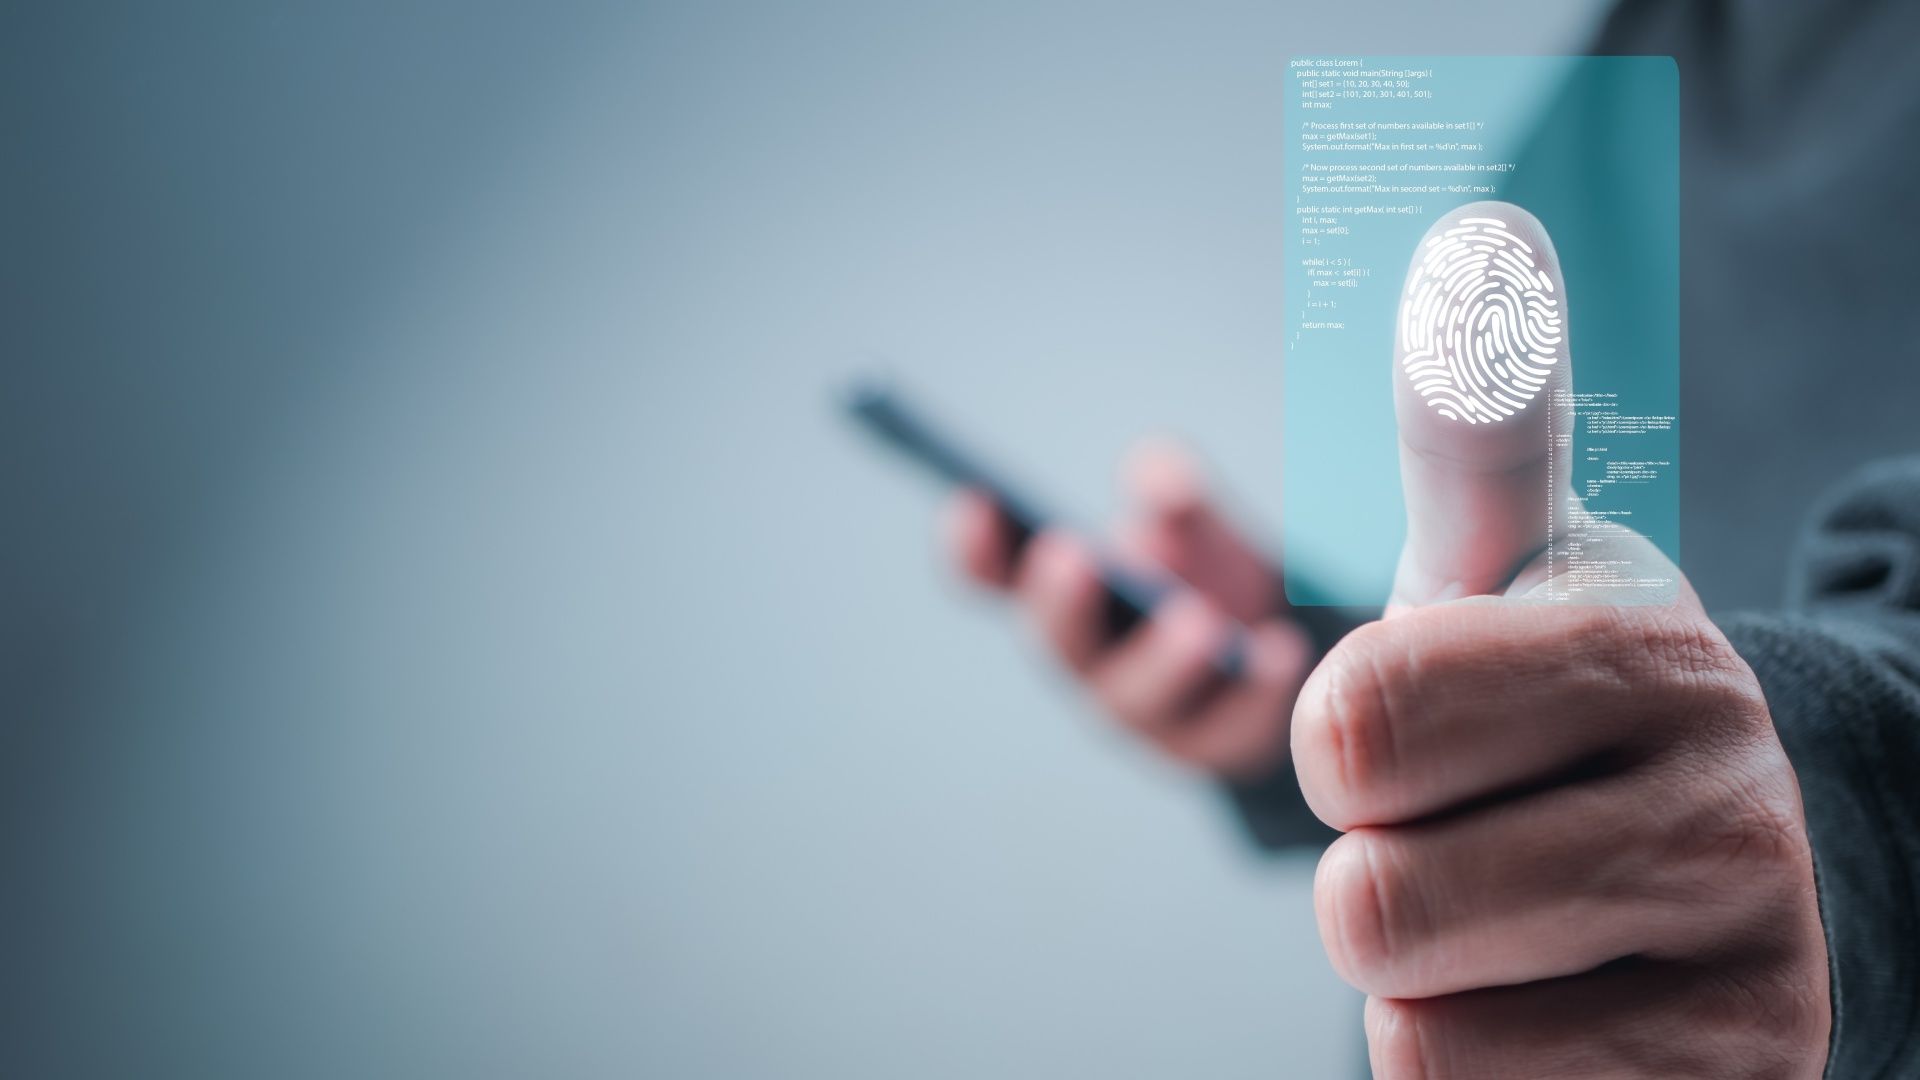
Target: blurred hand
x,y
1158,681
1573,844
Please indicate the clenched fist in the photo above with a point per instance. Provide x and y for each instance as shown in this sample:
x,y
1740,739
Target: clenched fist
x,y
1573,844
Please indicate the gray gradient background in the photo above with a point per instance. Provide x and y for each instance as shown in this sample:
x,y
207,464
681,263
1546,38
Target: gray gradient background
x,y
446,633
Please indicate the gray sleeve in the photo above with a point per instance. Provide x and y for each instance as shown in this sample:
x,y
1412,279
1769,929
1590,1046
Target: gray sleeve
x,y
1841,672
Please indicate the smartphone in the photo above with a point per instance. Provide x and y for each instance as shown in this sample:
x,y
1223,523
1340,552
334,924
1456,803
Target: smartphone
x,y
1131,593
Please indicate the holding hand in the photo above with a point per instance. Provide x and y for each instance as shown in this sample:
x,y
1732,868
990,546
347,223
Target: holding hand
x,y
1158,680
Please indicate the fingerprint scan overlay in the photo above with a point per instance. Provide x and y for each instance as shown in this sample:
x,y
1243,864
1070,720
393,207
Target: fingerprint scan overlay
x,y
1481,324
1433,252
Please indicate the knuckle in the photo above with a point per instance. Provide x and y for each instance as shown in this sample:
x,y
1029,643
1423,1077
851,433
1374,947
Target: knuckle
x,y
1745,826
1694,654
1772,1017
1364,908
1687,643
1700,679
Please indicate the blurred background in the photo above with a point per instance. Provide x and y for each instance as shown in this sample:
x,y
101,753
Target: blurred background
x,y
447,631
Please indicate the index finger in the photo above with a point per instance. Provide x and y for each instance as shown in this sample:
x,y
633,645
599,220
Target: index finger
x,y
1458,702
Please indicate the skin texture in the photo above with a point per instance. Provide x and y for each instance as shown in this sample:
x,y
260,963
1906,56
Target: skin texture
x,y
1572,843
1572,847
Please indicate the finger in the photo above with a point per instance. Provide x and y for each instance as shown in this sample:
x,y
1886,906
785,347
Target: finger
x,y
1561,883
1241,732
1481,350
1634,1019
1160,671
980,540
1456,703
1059,582
1176,524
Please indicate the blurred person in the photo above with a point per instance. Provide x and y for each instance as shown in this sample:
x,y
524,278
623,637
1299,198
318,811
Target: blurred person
x,y
1608,840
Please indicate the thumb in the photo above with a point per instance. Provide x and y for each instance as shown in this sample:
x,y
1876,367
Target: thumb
x,y
1481,375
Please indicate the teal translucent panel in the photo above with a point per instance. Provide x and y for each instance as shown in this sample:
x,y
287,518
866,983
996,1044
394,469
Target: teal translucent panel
x,y
1380,147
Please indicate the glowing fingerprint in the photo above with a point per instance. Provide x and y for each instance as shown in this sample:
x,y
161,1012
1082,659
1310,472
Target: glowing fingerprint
x,y
1480,325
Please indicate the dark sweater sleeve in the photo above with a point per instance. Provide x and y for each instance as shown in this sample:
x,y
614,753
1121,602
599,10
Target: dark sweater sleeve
x,y
1274,814
1841,672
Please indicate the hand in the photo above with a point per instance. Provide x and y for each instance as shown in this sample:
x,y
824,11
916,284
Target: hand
x,y
1158,681
1573,844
